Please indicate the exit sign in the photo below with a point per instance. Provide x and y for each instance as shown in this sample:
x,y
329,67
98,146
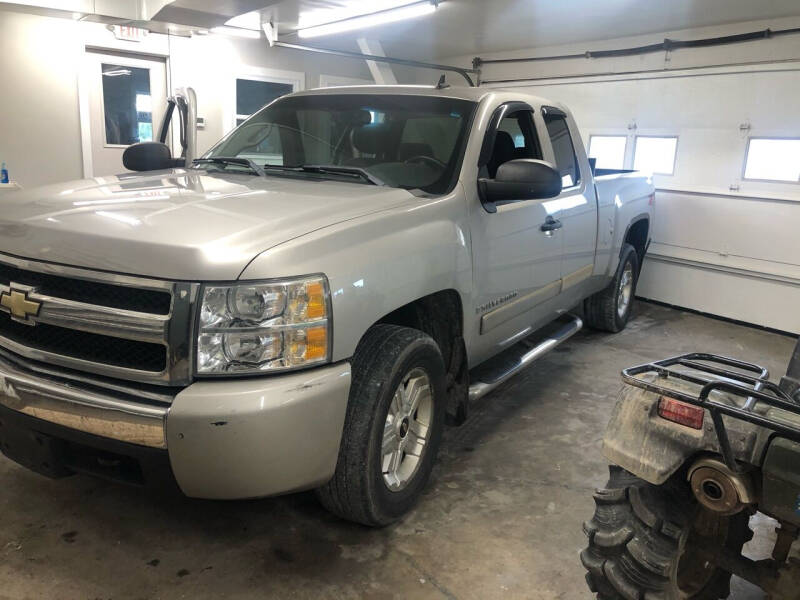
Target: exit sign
x,y
129,34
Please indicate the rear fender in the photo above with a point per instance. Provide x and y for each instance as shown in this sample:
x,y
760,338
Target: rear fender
x,y
652,448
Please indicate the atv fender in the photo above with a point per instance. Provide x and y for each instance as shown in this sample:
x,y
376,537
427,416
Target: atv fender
x,y
652,448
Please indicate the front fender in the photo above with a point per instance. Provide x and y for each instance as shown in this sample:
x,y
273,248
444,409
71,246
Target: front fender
x,y
379,262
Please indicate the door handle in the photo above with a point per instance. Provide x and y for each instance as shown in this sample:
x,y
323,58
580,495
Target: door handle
x,y
550,225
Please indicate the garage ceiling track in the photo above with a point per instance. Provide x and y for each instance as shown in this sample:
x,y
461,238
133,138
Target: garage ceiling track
x,y
374,57
665,46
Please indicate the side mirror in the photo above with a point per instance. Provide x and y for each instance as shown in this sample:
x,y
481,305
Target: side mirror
x,y
521,179
150,156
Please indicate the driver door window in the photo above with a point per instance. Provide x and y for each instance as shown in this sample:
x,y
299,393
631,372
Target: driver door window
x,y
516,138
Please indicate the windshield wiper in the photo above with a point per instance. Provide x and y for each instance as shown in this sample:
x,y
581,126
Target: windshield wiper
x,y
231,160
329,170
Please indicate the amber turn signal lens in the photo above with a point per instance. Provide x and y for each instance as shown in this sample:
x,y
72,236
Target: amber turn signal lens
x,y
316,343
315,293
681,412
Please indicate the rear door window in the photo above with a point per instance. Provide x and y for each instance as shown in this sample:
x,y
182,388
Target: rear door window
x,y
563,148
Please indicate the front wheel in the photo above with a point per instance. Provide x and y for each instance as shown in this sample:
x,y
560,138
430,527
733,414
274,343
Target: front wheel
x,y
645,540
395,417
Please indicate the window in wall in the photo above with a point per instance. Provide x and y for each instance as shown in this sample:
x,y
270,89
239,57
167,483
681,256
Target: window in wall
x,y
608,150
773,159
563,148
655,154
252,94
127,104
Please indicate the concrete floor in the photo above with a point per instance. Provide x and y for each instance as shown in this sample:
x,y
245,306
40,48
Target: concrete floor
x,y
501,519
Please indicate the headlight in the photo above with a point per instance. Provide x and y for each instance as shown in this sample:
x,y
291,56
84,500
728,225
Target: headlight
x,y
263,327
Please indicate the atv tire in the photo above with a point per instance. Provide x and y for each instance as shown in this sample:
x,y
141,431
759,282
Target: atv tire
x,y
642,542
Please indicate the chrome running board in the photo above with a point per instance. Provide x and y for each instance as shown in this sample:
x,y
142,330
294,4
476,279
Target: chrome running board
x,y
498,370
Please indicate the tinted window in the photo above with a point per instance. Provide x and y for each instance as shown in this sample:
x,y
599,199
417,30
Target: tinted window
x,y
515,138
411,142
252,95
563,148
429,136
127,105
512,127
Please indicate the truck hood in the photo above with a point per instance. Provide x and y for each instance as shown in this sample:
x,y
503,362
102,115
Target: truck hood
x,y
179,224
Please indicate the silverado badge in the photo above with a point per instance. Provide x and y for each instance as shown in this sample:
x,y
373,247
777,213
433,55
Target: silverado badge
x,y
17,303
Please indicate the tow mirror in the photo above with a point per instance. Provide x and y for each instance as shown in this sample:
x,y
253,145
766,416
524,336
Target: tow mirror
x,y
521,179
150,156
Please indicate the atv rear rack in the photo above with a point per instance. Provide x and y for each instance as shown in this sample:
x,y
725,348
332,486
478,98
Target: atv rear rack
x,y
755,389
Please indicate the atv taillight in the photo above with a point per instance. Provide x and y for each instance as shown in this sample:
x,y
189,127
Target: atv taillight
x,y
681,413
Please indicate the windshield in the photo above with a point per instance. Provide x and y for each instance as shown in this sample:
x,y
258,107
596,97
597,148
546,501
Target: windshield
x,y
411,142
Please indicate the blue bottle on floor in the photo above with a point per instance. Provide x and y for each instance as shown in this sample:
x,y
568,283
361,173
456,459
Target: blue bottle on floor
x,y
3,173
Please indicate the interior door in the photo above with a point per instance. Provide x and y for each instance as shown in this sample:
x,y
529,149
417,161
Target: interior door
x,y
517,263
577,204
127,97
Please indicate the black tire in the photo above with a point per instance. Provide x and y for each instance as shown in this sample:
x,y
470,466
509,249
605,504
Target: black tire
x,y
384,357
601,311
640,533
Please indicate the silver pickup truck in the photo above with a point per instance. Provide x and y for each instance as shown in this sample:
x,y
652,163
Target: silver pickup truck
x,y
306,305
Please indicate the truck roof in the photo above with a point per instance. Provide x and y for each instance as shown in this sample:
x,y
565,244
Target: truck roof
x,y
474,94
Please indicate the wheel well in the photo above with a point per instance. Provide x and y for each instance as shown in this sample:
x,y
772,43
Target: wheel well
x,y
441,316
637,237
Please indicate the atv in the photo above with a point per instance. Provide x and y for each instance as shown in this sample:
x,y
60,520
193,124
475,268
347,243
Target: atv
x,y
698,444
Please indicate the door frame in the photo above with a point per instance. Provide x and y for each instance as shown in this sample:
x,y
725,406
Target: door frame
x,y
85,89
297,79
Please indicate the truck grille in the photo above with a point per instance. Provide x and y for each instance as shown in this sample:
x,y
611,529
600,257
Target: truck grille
x,y
86,346
110,325
92,292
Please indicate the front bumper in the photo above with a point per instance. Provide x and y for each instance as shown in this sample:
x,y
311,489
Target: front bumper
x,y
229,439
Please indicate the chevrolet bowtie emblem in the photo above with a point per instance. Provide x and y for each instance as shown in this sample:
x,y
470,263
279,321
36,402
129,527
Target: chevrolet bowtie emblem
x,y
16,302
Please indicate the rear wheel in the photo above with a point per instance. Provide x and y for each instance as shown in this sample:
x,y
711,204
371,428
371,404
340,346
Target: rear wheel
x,y
610,309
393,427
645,540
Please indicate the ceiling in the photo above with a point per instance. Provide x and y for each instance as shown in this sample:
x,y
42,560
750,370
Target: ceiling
x,y
474,27
457,28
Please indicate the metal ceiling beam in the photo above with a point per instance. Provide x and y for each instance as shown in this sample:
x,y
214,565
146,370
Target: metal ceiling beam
x,y
381,72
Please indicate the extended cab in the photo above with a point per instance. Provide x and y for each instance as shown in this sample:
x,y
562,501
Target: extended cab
x,y
306,304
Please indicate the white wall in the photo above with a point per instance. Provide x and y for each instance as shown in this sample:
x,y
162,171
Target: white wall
x,y
39,128
40,62
731,253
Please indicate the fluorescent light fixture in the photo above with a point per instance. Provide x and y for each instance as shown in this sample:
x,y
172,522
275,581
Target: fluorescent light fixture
x,y
117,73
237,32
390,15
